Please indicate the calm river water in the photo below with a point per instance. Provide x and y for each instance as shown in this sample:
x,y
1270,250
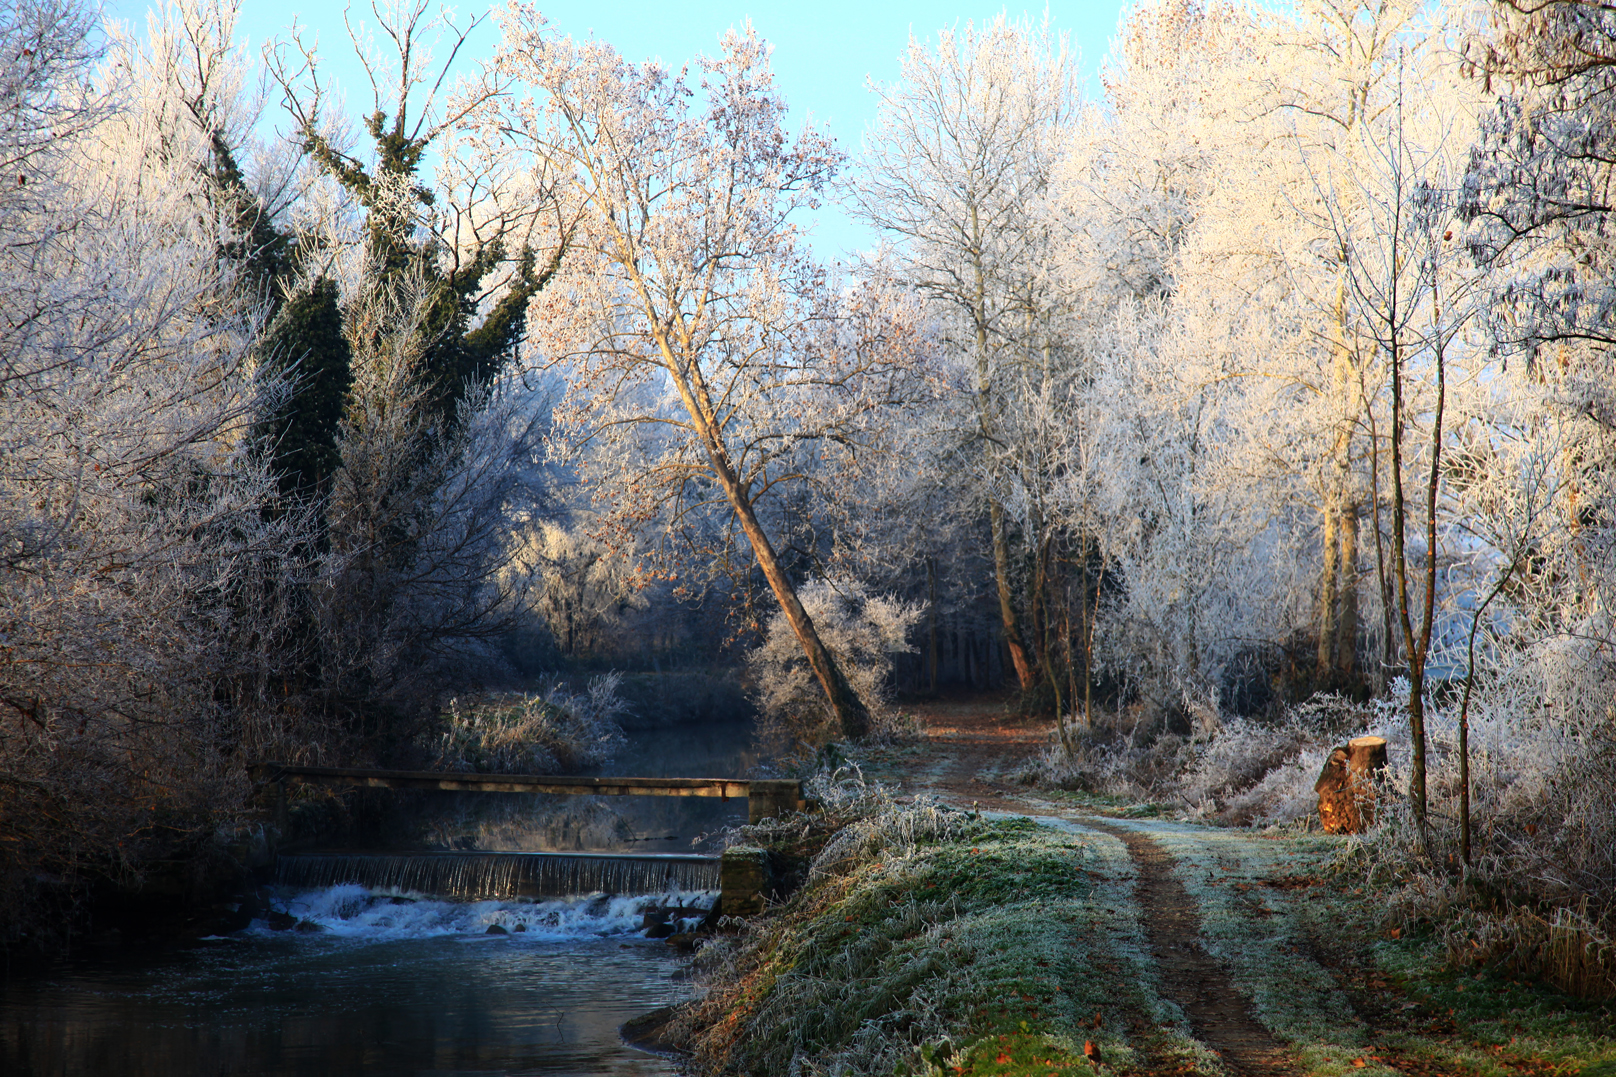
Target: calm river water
x,y
399,983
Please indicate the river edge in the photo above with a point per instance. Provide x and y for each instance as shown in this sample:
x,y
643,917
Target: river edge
x,y
653,1033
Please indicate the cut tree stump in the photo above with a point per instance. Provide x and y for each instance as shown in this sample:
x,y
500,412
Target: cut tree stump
x,y
1346,786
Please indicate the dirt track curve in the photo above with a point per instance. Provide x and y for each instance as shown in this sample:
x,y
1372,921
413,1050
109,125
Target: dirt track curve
x,y
977,751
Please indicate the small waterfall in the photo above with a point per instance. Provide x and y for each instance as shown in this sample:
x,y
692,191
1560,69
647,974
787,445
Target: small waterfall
x,y
503,875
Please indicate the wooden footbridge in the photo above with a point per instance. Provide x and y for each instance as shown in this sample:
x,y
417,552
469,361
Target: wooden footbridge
x,y
765,798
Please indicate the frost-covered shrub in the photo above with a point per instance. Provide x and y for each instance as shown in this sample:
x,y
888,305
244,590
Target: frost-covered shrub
x,y
1539,896
549,732
1236,771
854,818
1111,766
1250,772
862,631
1227,771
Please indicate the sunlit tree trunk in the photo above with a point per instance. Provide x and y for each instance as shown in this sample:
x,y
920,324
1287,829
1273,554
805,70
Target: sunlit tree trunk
x,y
1019,658
851,715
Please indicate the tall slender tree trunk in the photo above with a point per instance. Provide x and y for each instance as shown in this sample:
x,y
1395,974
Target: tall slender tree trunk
x,y
1419,642
1007,607
1327,595
931,635
1416,653
1388,642
1338,599
1338,592
1026,674
1347,623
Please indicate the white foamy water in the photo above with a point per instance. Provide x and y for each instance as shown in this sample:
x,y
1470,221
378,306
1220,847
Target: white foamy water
x,y
398,979
351,911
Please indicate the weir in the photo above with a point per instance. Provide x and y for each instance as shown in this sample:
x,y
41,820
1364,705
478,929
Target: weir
x,y
473,875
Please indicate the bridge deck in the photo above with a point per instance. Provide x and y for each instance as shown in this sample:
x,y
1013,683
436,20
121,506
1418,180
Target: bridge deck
x,y
768,797
506,783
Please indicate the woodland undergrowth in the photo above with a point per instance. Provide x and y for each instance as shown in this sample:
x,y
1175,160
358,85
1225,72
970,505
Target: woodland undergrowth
x,y
1537,896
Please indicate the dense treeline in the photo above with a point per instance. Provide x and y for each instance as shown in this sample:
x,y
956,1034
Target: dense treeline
x,y
260,468
1282,368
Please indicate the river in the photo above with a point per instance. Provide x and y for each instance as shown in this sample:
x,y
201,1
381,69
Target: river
x,y
397,982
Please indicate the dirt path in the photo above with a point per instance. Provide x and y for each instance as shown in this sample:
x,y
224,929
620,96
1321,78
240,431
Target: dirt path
x,y
974,751
1218,1016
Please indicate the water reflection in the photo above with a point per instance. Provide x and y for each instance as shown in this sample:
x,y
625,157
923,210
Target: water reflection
x,y
418,987
297,1004
651,824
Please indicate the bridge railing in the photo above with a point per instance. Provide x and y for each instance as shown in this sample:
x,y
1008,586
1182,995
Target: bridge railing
x,y
765,798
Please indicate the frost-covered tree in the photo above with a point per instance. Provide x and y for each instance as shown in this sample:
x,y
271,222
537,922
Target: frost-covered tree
x,y
957,173
705,353
140,585
1158,463
402,305
1352,97
1416,294
1135,175
1540,188
413,579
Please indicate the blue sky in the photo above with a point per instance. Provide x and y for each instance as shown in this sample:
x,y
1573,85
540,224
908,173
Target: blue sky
x,y
824,52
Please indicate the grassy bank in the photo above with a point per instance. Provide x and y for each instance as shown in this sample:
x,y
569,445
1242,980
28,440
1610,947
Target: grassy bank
x,y
934,941
927,940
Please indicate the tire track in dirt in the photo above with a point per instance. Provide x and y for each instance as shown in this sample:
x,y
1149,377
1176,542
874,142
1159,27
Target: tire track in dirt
x,y
976,748
1218,1016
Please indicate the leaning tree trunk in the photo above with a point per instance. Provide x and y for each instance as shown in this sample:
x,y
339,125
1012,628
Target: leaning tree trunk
x,y
851,714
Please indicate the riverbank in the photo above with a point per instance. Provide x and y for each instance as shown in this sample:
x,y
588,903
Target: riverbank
x,y
970,926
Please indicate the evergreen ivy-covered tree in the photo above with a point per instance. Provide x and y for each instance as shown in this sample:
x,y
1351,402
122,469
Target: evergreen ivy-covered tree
x,y
396,431
306,342
458,353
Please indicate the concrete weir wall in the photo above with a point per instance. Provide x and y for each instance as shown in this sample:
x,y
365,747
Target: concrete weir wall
x,y
744,876
744,881
773,799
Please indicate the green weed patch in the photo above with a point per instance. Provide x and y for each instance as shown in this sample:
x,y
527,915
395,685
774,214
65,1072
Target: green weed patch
x,y
1105,804
1019,1055
1498,1023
